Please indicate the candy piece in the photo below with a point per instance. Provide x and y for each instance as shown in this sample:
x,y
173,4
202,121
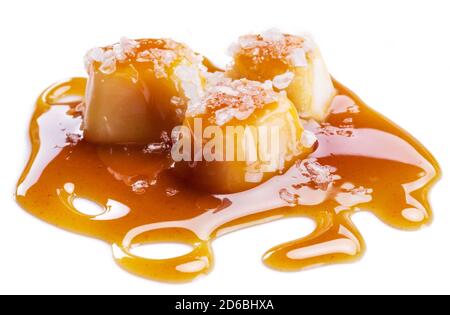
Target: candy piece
x,y
247,134
293,63
138,89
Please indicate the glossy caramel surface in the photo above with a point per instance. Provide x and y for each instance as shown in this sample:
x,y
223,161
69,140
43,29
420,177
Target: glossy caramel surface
x,y
371,165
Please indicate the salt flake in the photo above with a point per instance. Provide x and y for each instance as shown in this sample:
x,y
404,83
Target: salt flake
x,y
298,57
282,81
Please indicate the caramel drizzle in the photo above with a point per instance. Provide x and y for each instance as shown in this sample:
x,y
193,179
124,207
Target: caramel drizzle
x,y
365,149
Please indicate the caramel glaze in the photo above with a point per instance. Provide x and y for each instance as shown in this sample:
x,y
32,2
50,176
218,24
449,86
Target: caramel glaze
x,y
394,171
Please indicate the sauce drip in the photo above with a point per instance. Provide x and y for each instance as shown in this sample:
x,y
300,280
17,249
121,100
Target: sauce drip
x,y
363,162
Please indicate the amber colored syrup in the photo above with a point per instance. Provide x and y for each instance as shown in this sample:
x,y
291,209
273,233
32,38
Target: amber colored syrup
x,y
366,150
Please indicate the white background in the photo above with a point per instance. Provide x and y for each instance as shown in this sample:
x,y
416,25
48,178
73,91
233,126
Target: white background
x,y
394,54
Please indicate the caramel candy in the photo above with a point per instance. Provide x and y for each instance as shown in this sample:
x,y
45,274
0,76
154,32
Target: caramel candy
x,y
138,89
293,63
246,134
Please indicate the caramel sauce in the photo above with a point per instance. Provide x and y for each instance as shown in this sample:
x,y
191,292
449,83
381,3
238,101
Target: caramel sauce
x,y
373,166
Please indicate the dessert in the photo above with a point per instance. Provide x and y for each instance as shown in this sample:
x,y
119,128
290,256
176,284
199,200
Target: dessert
x,y
252,133
293,63
145,140
137,89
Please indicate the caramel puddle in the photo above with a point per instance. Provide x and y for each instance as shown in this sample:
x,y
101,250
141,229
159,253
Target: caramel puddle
x,y
363,161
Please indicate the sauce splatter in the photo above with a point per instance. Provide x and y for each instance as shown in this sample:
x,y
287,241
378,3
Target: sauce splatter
x,y
362,162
